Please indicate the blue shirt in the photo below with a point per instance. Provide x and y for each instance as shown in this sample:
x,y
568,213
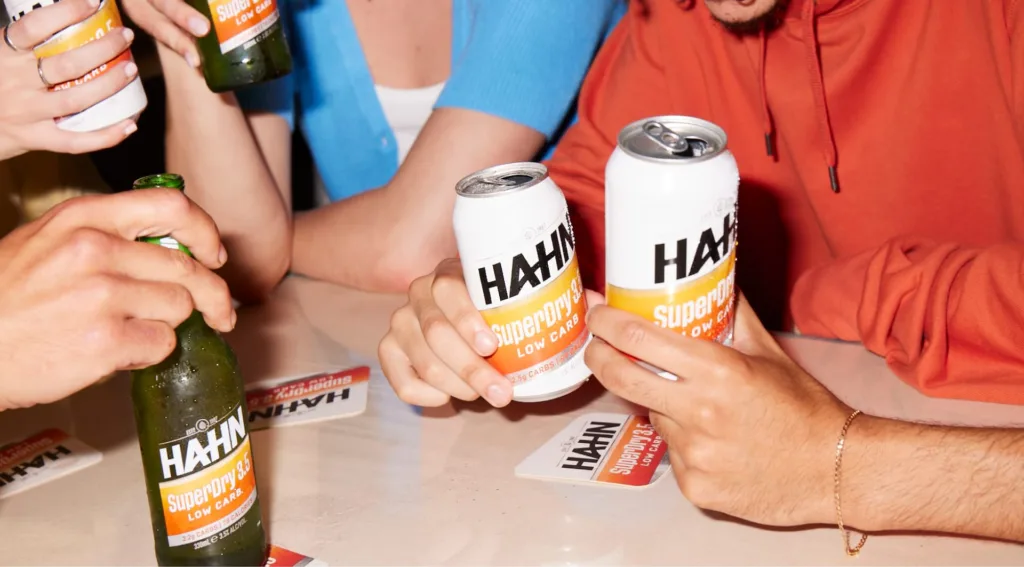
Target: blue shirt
x,y
522,60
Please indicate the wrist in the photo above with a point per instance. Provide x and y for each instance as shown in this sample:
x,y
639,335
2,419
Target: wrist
x,y
863,460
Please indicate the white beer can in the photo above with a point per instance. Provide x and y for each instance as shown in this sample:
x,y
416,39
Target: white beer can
x,y
671,190
128,103
518,254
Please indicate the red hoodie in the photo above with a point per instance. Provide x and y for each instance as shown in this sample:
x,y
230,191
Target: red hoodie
x,y
919,107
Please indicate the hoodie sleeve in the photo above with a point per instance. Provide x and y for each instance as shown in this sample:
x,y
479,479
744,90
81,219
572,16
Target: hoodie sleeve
x,y
948,319
625,83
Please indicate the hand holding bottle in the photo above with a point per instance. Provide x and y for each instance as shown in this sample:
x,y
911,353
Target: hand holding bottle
x,y
171,22
79,298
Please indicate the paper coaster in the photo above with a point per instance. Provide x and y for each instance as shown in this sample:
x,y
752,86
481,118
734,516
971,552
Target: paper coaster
x,y
281,557
276,403
601,448
41,458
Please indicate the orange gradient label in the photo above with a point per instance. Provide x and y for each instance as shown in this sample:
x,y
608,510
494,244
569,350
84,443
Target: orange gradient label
x,y
635,457
238,22
209,482
541,332
701,308
99,24
203,504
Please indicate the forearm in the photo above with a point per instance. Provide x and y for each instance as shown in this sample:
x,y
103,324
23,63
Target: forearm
x,y
367,242
209,142
909,476
383,239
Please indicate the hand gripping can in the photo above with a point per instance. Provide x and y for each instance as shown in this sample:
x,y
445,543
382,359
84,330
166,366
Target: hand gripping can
x,y
519,258
128,103
671,190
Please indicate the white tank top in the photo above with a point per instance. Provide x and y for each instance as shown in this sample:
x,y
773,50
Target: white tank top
x,y
406,111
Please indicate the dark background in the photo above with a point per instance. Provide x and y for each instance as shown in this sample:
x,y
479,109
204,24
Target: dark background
x,y
143,152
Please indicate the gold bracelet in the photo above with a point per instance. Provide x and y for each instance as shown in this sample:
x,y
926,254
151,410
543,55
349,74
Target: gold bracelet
x,y
838,476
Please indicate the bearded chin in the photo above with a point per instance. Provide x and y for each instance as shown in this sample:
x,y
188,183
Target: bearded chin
x,y
768,20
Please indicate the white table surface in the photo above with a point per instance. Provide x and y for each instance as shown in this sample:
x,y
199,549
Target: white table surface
x,y
400,486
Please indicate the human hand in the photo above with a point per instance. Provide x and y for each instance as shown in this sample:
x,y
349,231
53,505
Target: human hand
x,y
749,432
438,341
172,22
79,298
28,108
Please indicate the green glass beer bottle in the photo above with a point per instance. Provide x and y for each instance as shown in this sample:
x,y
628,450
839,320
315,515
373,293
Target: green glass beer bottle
x,y
246,44
191,416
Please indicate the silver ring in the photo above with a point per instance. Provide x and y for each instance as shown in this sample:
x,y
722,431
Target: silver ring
x,y
42,77
7,39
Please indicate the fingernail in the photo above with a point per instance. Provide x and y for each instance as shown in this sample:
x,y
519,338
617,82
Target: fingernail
x,y
198,26
192,59
131,69
131,129
94,3
234,319
128,34
222,256
498,396
484,343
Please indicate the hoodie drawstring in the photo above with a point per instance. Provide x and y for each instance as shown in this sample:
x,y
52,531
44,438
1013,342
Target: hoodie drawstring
x,y
766,113
817,83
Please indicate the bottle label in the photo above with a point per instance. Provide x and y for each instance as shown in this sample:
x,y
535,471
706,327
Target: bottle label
x,y
208,481
242,23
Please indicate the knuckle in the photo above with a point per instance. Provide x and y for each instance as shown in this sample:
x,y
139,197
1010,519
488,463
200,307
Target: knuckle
x,y
634,333
615,372
102,335
169,203
71,100
166,342
706,417
477,375
61,212
450,267
446,285
181,304
81,9
184,266
29,26
434,326
400,318
89,247
420,287
60,67
408,395
433,373
100,290
384,351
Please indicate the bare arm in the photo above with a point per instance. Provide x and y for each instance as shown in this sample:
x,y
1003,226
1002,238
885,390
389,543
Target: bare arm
x,y
909,476
238,169
382,239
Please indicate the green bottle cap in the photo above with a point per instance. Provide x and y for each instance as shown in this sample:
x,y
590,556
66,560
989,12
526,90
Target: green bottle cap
x,y
169,181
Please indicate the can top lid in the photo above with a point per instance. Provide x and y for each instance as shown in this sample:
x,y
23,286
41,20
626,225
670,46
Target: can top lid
x,y
672,138
501,179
